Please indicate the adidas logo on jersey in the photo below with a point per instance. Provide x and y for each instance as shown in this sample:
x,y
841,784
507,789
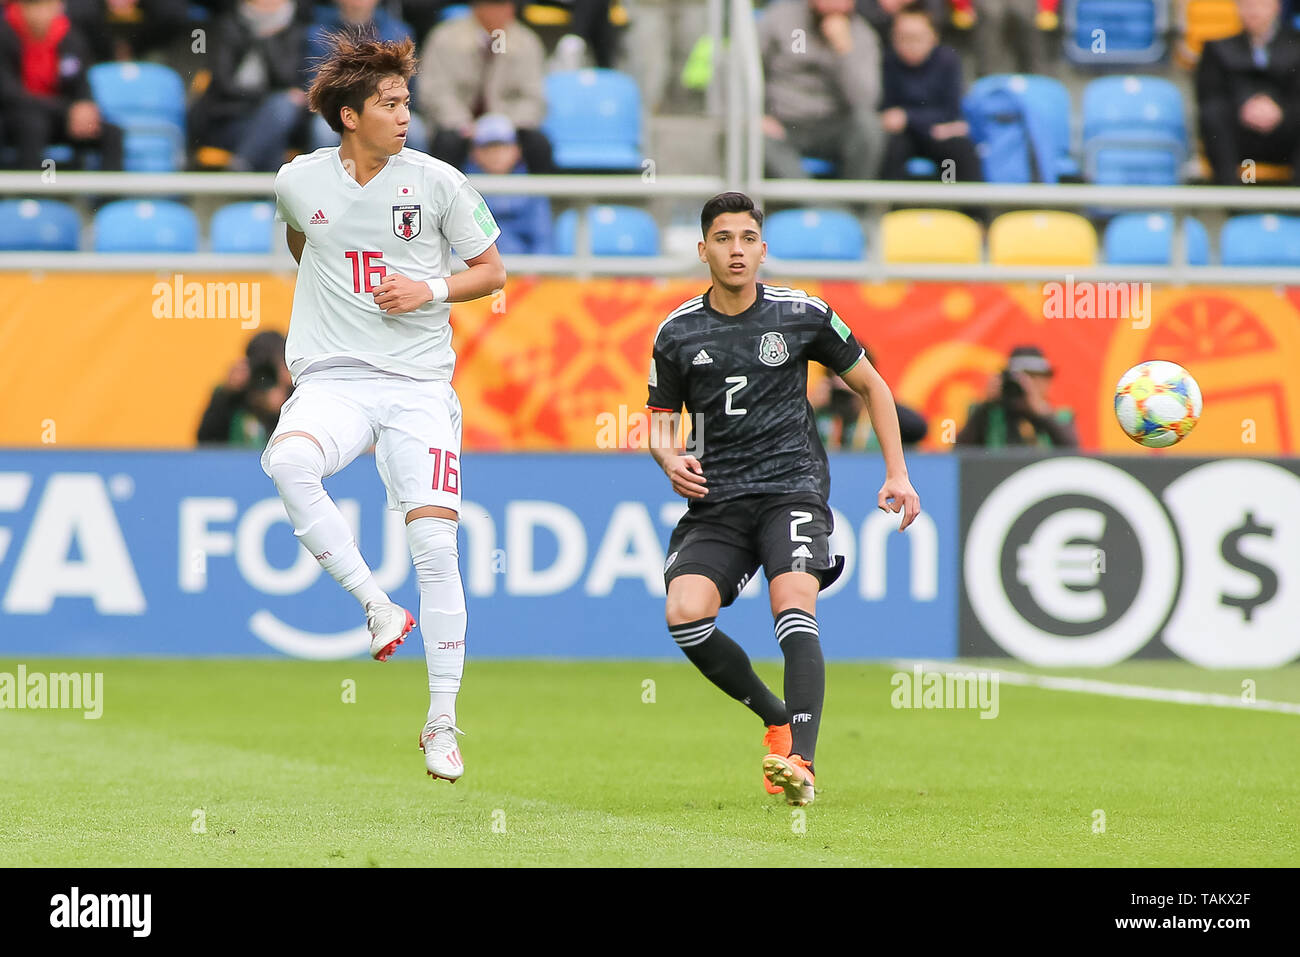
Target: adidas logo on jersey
x,y
701,359
801,552
318,219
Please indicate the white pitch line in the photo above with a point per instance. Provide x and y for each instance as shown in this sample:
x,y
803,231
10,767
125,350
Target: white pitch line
x,y
1108,688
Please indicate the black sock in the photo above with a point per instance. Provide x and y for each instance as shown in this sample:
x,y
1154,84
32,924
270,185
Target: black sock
x,y
725,663
805,678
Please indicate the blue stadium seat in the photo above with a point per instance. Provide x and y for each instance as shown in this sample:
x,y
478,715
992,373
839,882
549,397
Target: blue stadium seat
x,y
454,12
920,167
614,231
816,166
1145,239
1133,131
38,225
1043,94
148,101
243,228
813,234
1260,240
593,119
146,226
1115,32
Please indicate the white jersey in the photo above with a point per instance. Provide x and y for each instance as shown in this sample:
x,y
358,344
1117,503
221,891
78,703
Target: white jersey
x,y
407,219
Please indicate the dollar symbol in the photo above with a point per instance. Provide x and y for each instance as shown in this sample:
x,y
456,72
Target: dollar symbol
x,y
1231,552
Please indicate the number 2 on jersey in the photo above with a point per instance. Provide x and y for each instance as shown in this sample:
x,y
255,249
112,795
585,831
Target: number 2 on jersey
x,y
360,258
740,383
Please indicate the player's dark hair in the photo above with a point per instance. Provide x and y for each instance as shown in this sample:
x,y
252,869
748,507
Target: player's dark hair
x,y
728,203
350,73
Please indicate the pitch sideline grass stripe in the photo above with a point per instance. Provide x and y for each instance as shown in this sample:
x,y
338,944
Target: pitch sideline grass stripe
x,y
1108,688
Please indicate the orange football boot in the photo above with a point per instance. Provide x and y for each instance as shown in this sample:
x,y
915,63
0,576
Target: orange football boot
x,y
777,742
792,775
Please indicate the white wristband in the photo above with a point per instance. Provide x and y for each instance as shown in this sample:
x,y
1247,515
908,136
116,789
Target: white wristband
x,y
439,289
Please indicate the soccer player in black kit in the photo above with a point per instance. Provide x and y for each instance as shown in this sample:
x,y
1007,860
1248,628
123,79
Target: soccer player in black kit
x,y
737,356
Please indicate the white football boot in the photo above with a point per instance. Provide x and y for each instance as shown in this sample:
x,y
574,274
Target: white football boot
x,y
441,753
389,624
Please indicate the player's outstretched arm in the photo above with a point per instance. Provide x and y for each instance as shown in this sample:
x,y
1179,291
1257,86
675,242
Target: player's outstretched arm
x,y
683,470
486,274
296,241
897,493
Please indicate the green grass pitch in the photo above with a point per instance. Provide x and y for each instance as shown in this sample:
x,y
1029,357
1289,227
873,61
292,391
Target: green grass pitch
x,y
248,763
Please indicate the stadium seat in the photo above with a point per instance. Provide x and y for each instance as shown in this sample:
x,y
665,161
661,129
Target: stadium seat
x,y
1203,21
146,226
38,225
813,234
919,167
1043,94
930,236
243,228
593,119
1042,238
1145,239
817,167
1133,131
148,101
453,12
1115,32
1260,240
614,231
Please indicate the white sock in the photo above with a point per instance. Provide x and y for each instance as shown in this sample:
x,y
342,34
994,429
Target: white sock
x,y
442,609
297,466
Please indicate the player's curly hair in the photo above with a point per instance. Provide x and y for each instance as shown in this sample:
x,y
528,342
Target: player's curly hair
x,y
350,73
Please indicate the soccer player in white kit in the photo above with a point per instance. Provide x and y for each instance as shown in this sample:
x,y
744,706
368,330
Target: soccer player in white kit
x,y
372,226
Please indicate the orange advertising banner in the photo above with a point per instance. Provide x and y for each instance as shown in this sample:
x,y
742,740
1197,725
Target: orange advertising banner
x,y
130,360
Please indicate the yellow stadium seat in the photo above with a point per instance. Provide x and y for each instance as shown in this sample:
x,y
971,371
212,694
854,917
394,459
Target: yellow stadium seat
x,y
1205,20
550,15
1042,238
930,236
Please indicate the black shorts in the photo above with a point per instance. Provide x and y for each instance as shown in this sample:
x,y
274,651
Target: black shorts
x,y
727,542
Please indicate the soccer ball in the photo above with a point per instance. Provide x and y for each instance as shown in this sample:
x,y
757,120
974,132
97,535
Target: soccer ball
x,y
1157,403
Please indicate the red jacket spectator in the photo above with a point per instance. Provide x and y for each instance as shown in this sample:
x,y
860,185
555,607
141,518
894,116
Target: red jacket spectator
x,y
44,94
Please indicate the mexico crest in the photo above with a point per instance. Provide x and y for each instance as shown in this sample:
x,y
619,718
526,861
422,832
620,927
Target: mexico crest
x,y
772,350
406,221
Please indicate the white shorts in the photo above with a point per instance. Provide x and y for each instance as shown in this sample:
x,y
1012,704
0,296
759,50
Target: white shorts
x,y
414,426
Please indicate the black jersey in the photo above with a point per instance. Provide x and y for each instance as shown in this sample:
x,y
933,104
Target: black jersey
x,y
744,381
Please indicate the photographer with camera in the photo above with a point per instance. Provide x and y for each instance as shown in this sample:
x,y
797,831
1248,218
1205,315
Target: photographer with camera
x,y
1017,411
244,411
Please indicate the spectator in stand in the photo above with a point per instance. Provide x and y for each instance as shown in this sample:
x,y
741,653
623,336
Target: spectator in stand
x,y
45,96
525,221
822,67
257,100
880,13
129,29
922,101
1248,94
487,62
365,17
590,32
245,410
1016,410
1002,27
